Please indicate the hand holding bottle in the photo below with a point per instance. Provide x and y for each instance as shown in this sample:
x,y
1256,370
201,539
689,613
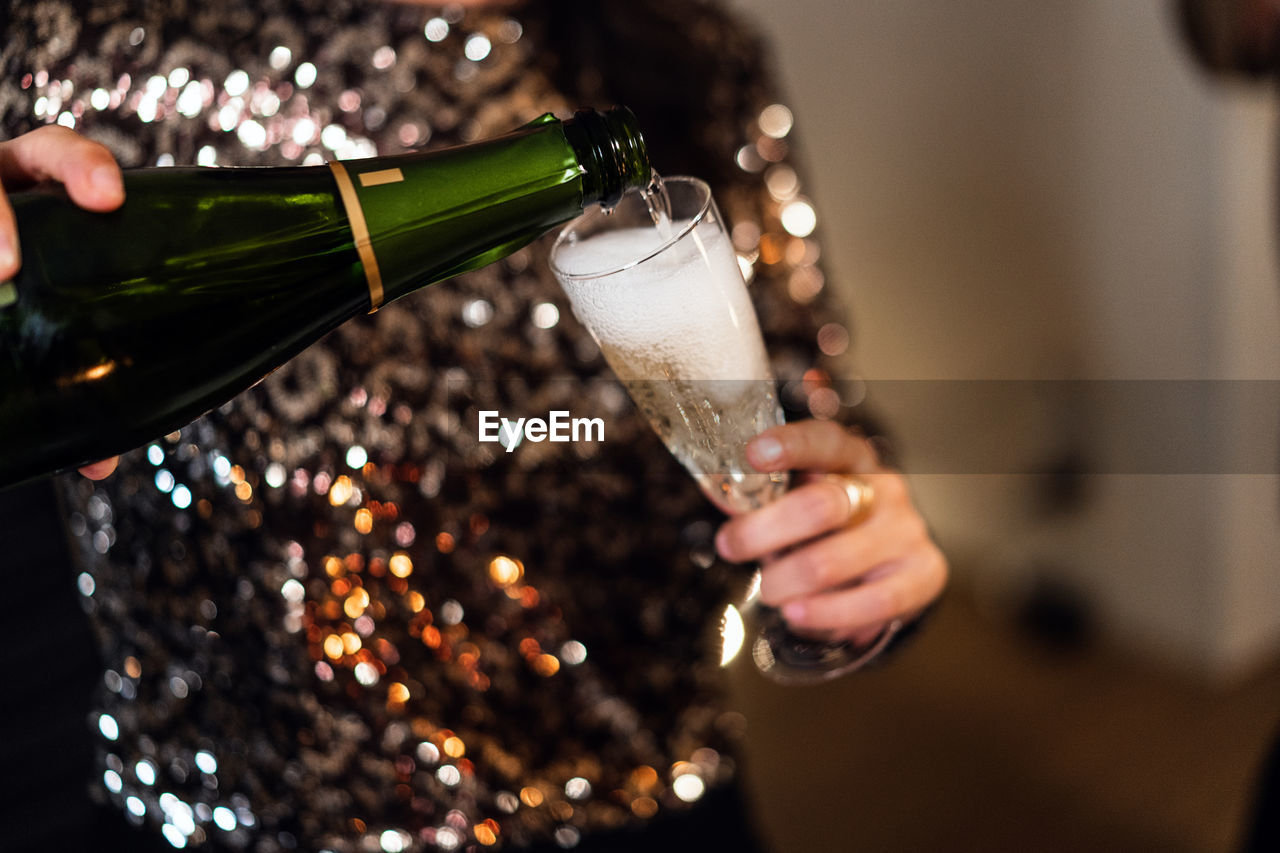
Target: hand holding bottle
x,y
127,321
93,181
54,153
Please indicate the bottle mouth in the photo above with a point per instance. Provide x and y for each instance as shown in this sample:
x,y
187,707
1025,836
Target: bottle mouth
x,y
618,148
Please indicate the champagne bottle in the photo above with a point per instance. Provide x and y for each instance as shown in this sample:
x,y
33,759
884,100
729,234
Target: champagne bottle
x,y
121,327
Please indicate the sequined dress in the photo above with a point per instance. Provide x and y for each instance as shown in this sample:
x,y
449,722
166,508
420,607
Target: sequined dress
x,y
331,618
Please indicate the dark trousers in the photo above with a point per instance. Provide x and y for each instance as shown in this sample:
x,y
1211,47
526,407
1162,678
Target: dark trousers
x,y
1264,830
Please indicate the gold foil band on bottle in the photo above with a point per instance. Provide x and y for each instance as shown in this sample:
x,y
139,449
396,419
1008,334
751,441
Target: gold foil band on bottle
x,y
380,177
360,231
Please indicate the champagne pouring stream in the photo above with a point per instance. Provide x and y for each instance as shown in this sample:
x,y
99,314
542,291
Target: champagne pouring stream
x,y
657,282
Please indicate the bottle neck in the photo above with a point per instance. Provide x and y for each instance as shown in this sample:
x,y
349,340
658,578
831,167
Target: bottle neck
x,y
611,151
417,218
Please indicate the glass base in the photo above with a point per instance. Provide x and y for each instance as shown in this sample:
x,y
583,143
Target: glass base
x,y
787,658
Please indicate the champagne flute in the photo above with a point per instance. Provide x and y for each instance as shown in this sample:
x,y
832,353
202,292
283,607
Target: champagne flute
x,y
657,283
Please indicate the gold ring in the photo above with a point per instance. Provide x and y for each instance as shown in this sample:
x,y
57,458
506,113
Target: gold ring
x,y
861,495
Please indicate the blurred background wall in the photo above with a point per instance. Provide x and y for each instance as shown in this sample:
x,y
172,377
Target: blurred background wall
x,y
1016,196
1058,239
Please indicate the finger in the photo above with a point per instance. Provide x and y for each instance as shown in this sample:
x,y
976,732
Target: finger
x,y
91,175
100,470
803,445
799,515
866,636
840,559
894,591
10,258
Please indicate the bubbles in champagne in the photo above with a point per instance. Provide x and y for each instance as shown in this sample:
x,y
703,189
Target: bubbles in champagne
x,y
706,425
684,313
669,308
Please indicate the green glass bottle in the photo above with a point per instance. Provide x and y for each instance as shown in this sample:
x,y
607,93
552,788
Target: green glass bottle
x,y
121,327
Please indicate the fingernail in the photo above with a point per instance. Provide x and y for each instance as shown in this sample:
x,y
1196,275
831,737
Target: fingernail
x,y
106,180
766,450
722,544
794,611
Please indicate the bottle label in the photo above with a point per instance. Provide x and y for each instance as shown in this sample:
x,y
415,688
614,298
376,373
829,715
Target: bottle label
x,y
359,226
421,217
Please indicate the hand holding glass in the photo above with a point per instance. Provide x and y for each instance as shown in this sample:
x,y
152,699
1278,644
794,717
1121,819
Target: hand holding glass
x,y
657,282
